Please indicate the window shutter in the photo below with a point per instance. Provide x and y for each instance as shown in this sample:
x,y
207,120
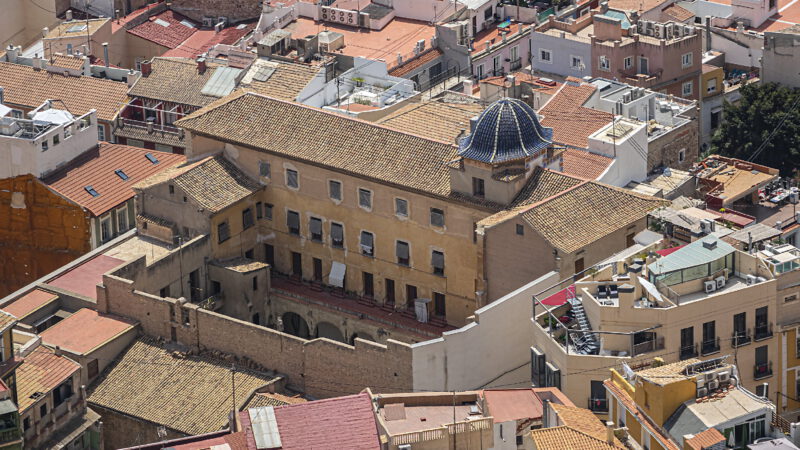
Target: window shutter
x,y
316,226
402,250
437,259
293,219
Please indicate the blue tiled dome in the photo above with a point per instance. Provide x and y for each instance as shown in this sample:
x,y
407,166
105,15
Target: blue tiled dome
x,y
507,130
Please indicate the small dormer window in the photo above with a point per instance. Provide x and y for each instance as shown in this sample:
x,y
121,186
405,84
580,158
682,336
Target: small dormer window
x,y
150,157
478,187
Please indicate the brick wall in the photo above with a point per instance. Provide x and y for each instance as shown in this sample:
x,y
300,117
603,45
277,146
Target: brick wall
x,y
664,151
234,10
47,233
319,367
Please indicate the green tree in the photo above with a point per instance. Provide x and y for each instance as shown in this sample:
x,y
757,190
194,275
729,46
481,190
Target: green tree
x,y
747,125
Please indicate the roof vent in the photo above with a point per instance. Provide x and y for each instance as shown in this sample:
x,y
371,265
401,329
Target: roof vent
x,y
710,244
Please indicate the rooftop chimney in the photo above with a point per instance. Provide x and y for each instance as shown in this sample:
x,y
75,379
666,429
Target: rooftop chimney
x,y
45,32
147,67
201,65
69,15
105,53
610,432
57,351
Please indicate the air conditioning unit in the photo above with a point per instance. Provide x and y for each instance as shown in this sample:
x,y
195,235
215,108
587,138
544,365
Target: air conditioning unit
x,y
688,30
713,385
751,279
724,377
660,31
706,225
710,286
223,20
711,376
702,392
208,22
701,381
720,282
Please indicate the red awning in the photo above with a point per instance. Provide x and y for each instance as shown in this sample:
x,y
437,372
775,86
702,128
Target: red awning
x,y
560,297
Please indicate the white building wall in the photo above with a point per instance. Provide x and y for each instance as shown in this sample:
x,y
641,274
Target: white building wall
x,y
427,10
629,164
507,439
492,351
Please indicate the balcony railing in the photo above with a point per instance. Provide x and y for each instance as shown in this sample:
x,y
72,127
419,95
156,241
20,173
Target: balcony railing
x,y
516,64
710,346
648,346
10,435
155,126
598,405
762,370
741,337
689,351
763,331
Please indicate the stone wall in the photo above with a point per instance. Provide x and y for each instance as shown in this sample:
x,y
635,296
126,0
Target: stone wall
x,y
319,367
664,151
120,430
234,10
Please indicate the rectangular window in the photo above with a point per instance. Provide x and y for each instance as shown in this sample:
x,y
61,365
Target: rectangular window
x,y
255,283
644,66
315,225
45,146
335,190
687,349
437,261
17,114
411,295
439,304
268,211
337,235
263,169
437,217
520,230
487,14
478,187
545,56
628,62
710,342
101,132
247,218
369,285
293,222
292,179
317,265
711,86
715,119
56,140
479,71
43,410
403,253
92,368
681,155
367,243
259,210
365,198
686,60
106,231
687,89
605,63
401,207
575,62
390,298
223,232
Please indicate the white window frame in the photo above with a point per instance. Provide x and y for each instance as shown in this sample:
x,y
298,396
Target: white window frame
x,y
690,84
549,53
138,63
124,210
101,132
479,71
572,64
627,62
605,63
687,60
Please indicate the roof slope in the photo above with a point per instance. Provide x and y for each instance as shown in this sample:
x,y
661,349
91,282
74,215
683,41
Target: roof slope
x,y
572,123
567,437
167,29
286,82
655,431
42,371
175,80
27,87
584,164
513,404
335,423
584,420
97,168
438,120
589,211
148,390
361,148
29,303
86,330
411,65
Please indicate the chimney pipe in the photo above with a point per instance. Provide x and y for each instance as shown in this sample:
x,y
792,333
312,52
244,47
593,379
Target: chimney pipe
x,y
57,351
45,32
69,15
105,53
2,93
610,432
147,67
201,65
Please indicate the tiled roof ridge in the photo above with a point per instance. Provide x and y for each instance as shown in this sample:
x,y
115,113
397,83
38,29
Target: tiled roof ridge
x,y
328,400
571,428
208,109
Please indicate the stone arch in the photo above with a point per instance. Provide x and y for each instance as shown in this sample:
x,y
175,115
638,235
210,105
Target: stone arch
x,y
364,336
330,331
295,325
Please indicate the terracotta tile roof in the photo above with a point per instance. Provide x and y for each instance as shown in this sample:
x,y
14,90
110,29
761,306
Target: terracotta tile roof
x,y
42,371
6,320
156,137
84,278
705,440
572,123
584,420
29,303
635,5
97,168
542,185
85,331
585,213
67,62
29,88
148,391
655,431
286,82
213,182
269,399
203,40
676,13
232,441
175,80
164,29
567,437
358,147
408,66
335,423
438,120
512,404
584,164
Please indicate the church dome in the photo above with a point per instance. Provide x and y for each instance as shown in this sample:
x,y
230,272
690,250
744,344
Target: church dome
x,y
505,131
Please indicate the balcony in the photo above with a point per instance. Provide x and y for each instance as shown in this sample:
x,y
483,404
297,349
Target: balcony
x,y
709,347
741,338
763,331
688,351
598,405
763,370
648,346
516,64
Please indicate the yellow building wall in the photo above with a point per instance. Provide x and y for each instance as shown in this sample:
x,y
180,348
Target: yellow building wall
x,y
659,402
717,75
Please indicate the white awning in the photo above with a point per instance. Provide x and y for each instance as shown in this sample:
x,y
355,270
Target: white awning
x,y
336,278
